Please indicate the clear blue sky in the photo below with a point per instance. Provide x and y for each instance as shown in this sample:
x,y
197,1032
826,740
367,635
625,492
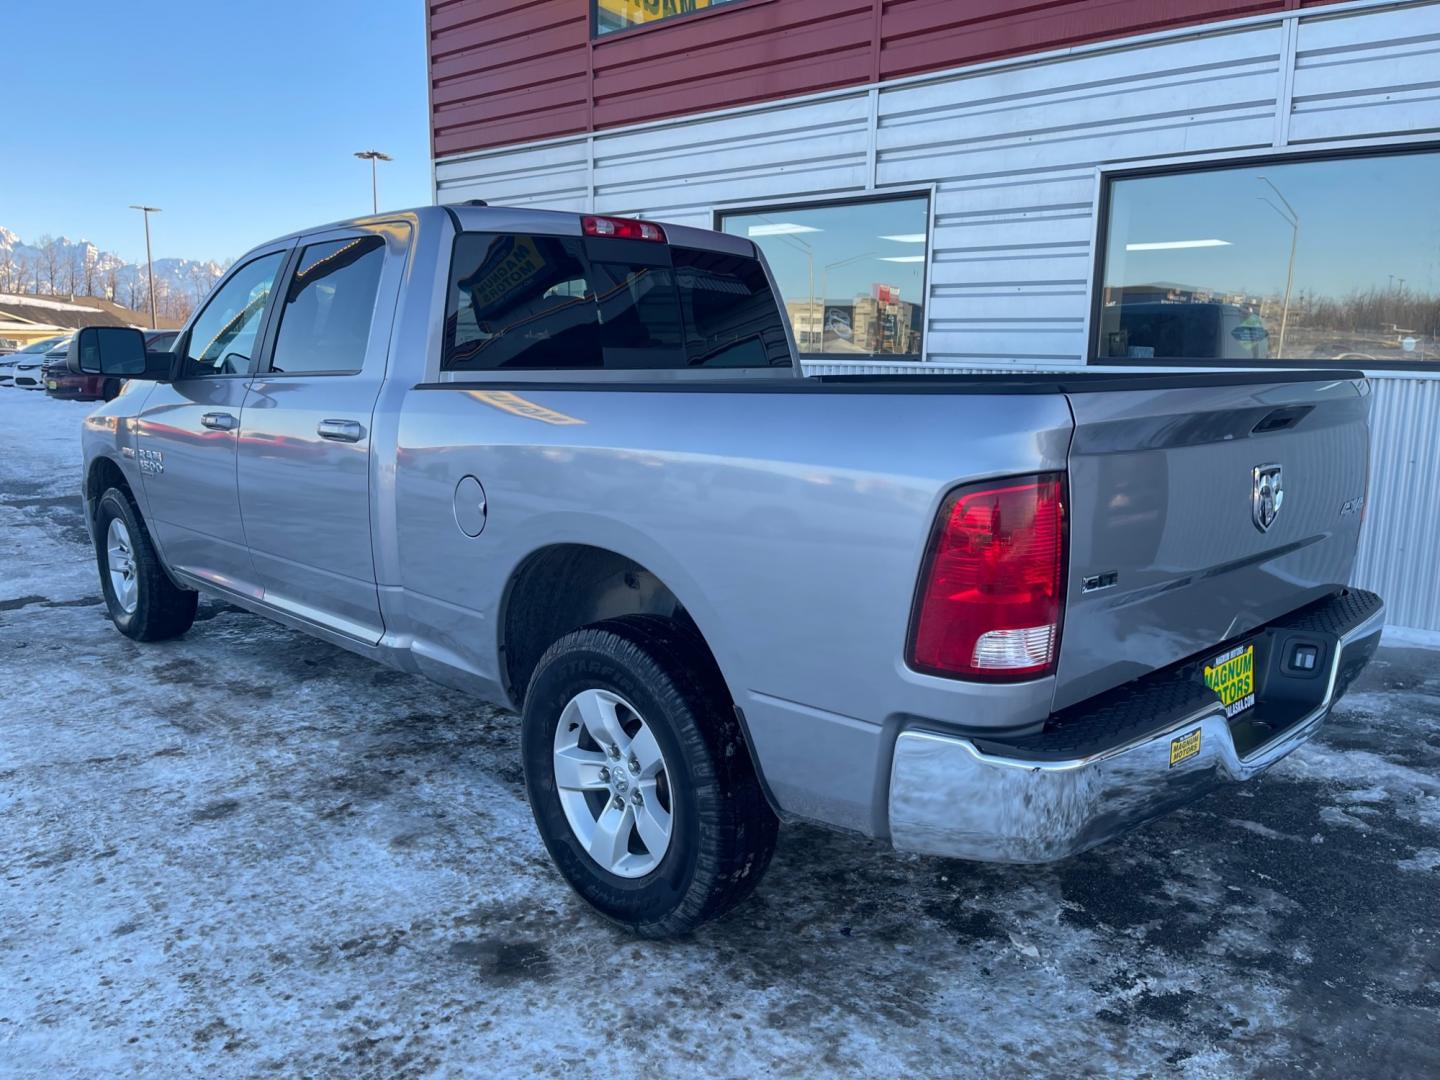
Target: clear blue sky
x,y
238,119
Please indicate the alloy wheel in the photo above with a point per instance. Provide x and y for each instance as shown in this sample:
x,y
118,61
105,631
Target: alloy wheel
x,y
120,561
613,783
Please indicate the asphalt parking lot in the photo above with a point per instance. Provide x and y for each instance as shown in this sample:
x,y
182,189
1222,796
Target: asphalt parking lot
x,y
248,852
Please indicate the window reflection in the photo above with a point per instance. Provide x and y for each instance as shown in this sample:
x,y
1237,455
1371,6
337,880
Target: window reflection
x,y
852,275
611,15
1317,260
554,302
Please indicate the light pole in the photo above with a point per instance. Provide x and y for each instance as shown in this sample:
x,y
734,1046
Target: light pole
x,y
825,272
373,156
149,263
1294,220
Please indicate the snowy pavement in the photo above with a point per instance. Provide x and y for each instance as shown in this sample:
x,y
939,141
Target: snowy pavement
x,y
248,852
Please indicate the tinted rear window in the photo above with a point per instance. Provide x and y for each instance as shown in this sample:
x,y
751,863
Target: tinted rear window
x,y
569,303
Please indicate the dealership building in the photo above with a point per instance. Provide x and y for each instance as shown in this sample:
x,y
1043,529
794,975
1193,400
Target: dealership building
x,y
990,185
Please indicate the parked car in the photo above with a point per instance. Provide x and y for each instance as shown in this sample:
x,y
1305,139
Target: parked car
x,y
530,454
27,367
61,382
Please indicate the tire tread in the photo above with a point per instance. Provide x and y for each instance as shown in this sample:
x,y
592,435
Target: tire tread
x,y
164,610
738,827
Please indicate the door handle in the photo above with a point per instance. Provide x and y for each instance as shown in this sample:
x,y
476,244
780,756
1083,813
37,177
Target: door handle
x,y
340,430
218,421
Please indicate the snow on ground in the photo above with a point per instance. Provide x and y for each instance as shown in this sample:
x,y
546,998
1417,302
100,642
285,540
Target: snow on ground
x,y
247,851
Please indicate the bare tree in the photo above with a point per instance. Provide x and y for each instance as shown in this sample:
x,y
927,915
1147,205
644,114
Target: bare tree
x,y
201,279
69,271
112,284
48,272
90,269
7,272
24,275
135,293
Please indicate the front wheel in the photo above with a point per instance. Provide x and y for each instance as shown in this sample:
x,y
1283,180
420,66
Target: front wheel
x,y
637,775
144,603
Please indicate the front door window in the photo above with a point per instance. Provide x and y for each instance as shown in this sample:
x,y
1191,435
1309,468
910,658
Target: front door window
x,y
223,339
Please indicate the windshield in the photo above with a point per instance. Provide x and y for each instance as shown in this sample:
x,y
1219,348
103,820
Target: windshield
x,y
42,346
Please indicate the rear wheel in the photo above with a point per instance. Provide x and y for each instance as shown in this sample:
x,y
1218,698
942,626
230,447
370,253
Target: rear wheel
x,y
144,603
110,390
640,786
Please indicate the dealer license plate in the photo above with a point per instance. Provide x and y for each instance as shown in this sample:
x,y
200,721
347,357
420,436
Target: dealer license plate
x,y
1232,676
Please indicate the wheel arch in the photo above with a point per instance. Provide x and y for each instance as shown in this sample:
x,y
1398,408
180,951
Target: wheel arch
x,y
103,473
564,586
561,587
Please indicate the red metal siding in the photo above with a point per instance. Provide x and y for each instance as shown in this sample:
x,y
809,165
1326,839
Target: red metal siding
x,y
731,57
504,71
507,71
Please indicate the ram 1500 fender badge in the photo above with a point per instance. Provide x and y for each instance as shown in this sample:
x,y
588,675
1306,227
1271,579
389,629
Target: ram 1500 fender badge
x,y
151,461
1266,496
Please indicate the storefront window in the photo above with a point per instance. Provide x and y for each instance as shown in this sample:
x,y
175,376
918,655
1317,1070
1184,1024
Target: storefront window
x,y
612,15
852,275
1317,260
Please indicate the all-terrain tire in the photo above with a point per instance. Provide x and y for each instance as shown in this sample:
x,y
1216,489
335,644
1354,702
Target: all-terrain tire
x,y
723,831
162,609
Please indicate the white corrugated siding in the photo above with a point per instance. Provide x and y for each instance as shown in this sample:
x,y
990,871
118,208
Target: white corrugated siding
x,y
1011,150
1400,548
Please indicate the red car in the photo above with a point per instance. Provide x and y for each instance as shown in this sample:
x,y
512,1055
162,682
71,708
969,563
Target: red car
x,y
60,383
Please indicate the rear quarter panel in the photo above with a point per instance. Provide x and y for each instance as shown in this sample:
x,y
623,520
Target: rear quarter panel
x,y
791,525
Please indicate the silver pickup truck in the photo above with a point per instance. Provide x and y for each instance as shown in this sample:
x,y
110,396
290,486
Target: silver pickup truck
x,y
569,463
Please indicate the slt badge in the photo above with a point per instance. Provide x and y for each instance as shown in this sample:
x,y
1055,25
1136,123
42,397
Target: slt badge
x,y
1267,496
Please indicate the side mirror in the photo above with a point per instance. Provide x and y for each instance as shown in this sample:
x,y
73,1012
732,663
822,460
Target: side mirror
x,y
114,350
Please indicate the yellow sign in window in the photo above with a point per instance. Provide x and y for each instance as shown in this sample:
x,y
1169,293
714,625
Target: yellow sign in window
x,y
619,14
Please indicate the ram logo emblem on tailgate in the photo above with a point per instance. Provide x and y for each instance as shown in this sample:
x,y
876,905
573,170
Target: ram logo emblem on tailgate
x,y
1267,496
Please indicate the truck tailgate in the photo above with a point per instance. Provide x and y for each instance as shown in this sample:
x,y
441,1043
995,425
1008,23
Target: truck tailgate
x,y
1172,546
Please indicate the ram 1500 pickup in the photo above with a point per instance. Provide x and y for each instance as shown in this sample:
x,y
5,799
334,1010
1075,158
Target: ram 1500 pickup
x,y
570,464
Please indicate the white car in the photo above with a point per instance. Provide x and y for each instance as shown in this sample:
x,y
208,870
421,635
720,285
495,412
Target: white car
x,y
26,368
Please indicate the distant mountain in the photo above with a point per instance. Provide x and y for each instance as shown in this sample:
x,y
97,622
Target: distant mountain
x,y
59,266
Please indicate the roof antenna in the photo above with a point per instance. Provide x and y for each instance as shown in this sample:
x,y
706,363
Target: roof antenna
x,y
474,202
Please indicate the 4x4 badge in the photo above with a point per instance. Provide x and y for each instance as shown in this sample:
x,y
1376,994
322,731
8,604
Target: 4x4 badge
x,y
1267,496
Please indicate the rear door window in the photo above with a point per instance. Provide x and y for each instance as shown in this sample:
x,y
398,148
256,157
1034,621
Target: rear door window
x,y
329,304
571,303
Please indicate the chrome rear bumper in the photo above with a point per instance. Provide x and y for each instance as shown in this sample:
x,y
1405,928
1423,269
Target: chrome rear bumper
x,y
949,796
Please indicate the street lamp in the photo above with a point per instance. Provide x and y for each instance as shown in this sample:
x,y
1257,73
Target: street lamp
x,y
149,263
1294,221
825,272
373,156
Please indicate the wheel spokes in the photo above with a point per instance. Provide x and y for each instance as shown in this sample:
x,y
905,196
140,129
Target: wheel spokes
x,y
120,558
580,770
652,822
610,842
645,751
597,711
612,785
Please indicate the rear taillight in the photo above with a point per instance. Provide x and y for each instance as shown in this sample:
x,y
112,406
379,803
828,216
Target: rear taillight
x,y
992,588
622,228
